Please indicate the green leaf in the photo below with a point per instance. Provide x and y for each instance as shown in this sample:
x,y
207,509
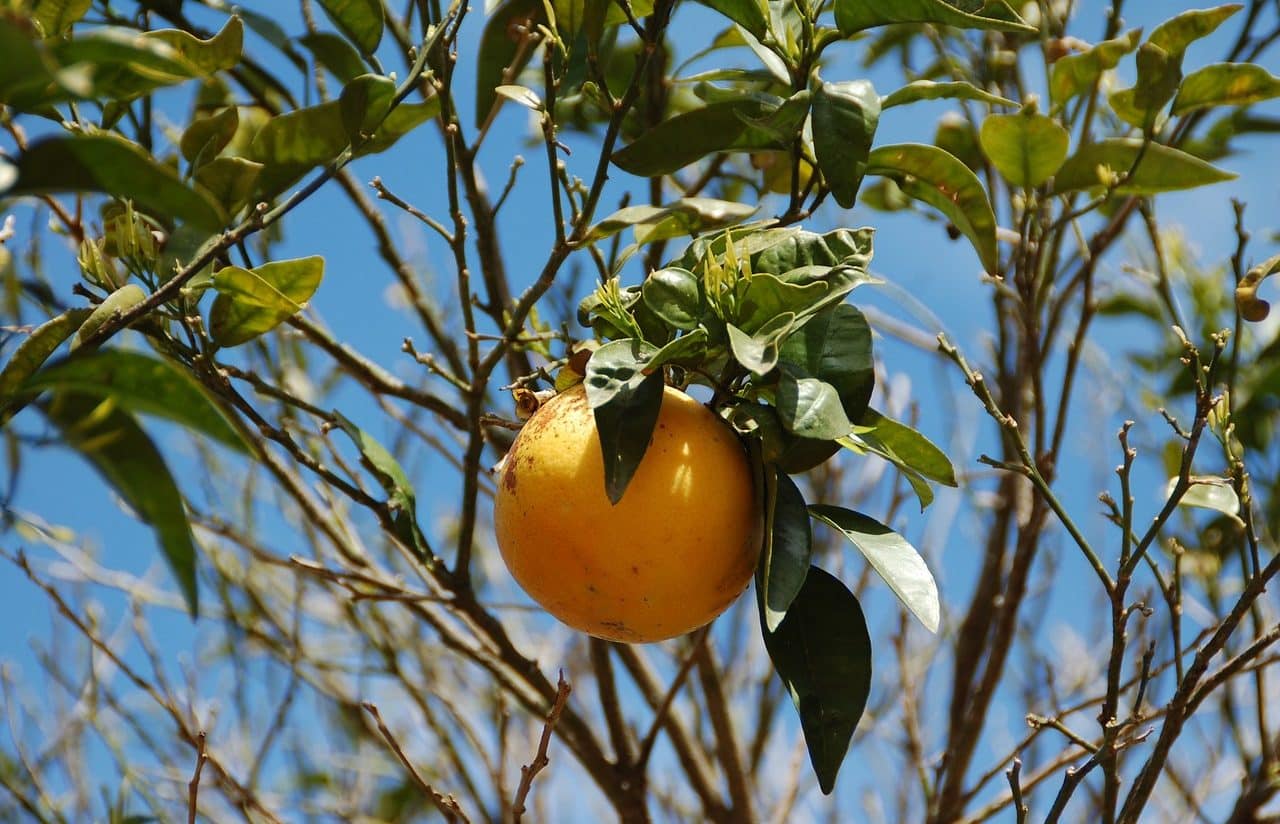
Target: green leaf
x,y
765,297
891,556
218,53
1159,73
686,216
788,546
359,20
732,125
1076,74
231,180
835,347
1225,84
114,166
853,16
929,90
675,296
140,384
116,303
55,17
1175,34
906,447
749,14
1163,169
504,47
123,454
1209,492
402,499
937,178
29,77
206,137
688,349
1026,148
758,352
626,403
845,116
822,652
253,301
335,54
811,408
31,354
364,103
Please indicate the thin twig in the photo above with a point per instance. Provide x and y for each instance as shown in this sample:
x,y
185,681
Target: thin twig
x,y
540,760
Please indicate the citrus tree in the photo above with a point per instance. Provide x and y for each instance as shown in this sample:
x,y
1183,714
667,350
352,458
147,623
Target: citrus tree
x,y
427,546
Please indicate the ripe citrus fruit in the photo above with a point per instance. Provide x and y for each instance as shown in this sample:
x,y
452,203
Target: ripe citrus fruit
x,y
670,556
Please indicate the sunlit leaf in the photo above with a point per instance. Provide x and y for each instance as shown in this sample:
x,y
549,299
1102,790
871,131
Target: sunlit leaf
x,y
1208,492
1162,168
253,301
811,408
1225,84
835,347
31,354
335,54
891,556
675,295
1180,31
1026,148
758,352
116,303
55,17
626,403
1075,74
930,174
930,90
360,20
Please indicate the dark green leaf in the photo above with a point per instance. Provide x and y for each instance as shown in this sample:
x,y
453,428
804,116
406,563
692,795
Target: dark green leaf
x,y
402,499
1026,148
853,16
626,403
360,20
1076,74
689,137
253,301
113,166
788,546
937,178
140,384
1225,84
335,54
675,296
929,90
34,351
758,352
845,116
835,347
811,408
749,14
118,448
29,77
1163,169
897,561
822,652
688,349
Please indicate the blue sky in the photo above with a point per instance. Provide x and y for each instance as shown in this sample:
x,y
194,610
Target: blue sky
x,y
914,256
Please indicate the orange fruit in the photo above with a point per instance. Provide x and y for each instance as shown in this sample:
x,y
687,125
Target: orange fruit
x,y
675,551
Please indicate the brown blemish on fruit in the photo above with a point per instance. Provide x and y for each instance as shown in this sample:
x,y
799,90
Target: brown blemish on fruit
x,y
509,479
